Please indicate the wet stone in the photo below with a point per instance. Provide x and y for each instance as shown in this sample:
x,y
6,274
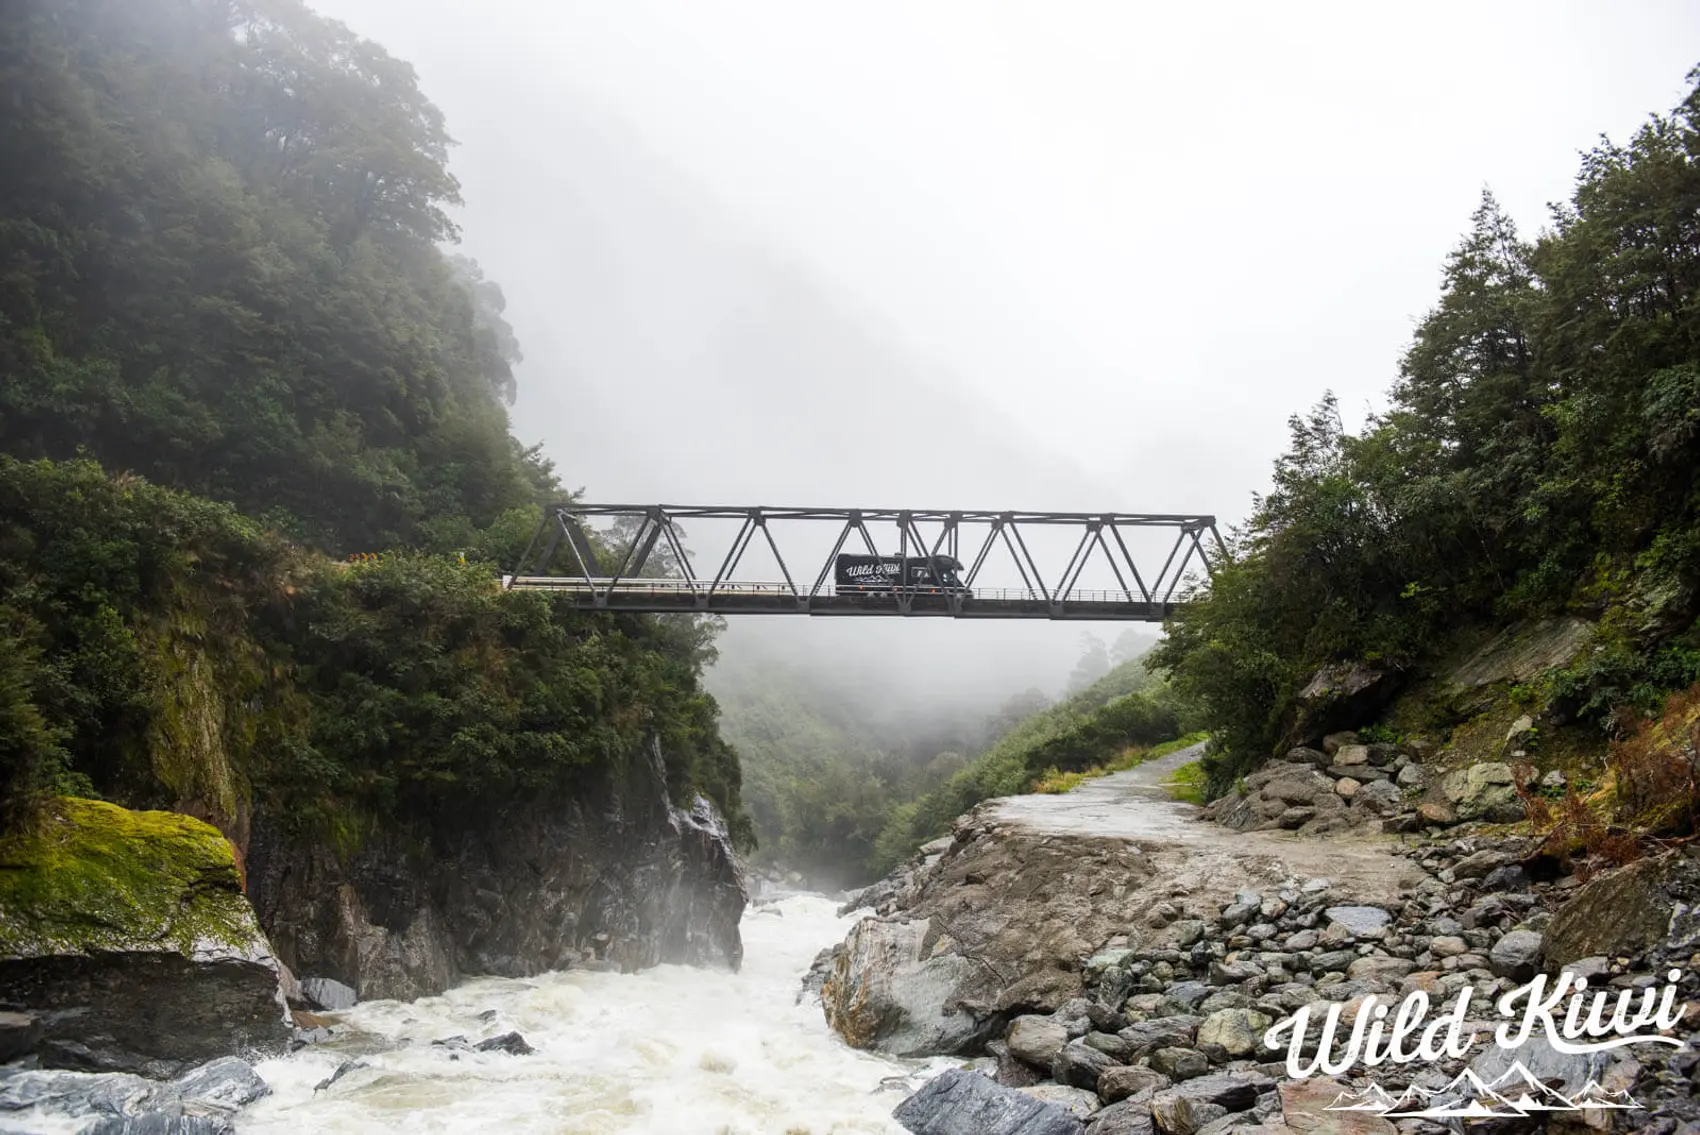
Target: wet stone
x,y
1360,921
1127,1118
1123,1081
1079,1065
1180,1063
959,1102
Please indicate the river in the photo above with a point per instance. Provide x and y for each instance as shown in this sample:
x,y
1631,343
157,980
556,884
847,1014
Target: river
x,y
669,1051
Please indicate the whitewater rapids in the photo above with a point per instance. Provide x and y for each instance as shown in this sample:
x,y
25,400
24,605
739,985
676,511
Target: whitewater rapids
x,y
669,1051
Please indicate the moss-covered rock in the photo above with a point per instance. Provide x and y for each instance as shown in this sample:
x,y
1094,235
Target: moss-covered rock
x,y
93,878
129,935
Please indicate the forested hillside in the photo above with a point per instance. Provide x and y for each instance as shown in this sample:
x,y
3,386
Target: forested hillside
x,y
1539,456
231,348
219,269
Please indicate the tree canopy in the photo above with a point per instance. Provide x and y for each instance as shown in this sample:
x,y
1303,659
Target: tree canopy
x,y
220,268
1540,454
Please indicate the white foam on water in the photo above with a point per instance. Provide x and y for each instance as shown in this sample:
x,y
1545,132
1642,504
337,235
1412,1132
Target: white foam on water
x,y
673,1050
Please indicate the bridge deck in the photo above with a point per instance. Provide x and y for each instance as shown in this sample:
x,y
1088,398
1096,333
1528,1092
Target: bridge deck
x,y
660,596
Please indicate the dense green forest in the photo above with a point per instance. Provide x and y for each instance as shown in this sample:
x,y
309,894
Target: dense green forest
x,y
1540,455
220,269
232,347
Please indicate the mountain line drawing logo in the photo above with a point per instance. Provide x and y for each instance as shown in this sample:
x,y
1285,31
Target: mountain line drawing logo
x,y
1579,1026
1515,1092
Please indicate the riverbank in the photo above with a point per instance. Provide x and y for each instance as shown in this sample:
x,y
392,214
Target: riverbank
x,y
1120,956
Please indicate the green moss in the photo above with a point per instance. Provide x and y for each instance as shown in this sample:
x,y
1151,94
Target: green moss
x,y
90,877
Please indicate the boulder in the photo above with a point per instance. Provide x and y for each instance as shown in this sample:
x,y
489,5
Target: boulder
x,y
1079,1065
1509,878
1233,973
1332,961
1297,788
1079,1102
1307,756
1180,1063
1379,968
1122,1081
1484,791
1238,1032
998,927
1382,754
959,1102
1516,955
1109,1044
1128,1118
326,994
1625,912
1351,756
223,1085
1342,695
1479,863
1568,1072
1378,797
128,935
1183,1115
1360,921
883,993
1235,1091
1037,1039
208,1095
1436,813
1305,1107
1161,1032
511,1043
1184,995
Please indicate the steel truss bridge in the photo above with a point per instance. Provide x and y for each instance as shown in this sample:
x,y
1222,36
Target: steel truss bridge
x,y
622,586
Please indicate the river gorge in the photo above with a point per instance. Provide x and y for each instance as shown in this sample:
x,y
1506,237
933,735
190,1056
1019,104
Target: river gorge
x,y
669,1049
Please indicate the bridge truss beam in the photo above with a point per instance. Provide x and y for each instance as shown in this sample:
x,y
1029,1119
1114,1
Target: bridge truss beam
x,y
622,585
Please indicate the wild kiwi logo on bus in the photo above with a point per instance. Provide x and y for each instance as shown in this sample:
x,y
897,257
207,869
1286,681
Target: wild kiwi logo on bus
x,y
1564,1016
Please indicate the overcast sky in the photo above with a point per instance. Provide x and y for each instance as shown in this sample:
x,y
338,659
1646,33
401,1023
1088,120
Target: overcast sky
x,y
966,254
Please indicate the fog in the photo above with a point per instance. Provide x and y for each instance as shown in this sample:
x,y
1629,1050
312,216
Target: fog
x,y
1082,256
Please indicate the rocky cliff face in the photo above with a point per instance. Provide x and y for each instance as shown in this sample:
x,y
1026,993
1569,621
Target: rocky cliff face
x,y
620,877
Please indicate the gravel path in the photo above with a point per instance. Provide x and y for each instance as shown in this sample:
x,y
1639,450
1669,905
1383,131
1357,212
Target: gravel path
x,y
1134,806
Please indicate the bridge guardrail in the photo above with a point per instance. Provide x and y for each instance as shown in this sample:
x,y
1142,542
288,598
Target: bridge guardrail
x,y
679,587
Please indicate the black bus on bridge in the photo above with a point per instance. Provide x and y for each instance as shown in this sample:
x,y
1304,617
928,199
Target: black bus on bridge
x,y
926,574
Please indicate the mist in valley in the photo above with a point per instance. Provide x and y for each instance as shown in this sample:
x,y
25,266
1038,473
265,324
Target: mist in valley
x,y
958,256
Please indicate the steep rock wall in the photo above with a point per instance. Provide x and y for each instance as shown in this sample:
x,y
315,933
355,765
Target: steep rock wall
x,y
621,877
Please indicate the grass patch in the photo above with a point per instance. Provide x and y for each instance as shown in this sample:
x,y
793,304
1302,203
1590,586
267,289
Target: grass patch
x,y
1052,781
1189,783
1136,756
